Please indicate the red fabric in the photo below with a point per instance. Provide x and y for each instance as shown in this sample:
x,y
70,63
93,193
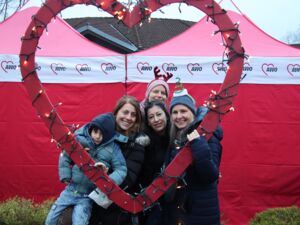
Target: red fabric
x,y
28,159
62,39
261,158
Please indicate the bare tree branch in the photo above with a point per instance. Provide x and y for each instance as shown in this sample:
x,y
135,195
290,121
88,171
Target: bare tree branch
x,y
9,7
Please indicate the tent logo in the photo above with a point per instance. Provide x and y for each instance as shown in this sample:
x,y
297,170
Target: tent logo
x,y
219,67
108,67
293,68
169,67
143,67
194,67
57,67
268,68
8,66
83,68
247,67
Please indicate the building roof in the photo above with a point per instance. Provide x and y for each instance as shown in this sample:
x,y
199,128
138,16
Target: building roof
x,y
113,34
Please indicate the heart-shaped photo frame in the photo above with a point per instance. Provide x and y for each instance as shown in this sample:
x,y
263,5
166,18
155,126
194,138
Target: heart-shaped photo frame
x,y
219,102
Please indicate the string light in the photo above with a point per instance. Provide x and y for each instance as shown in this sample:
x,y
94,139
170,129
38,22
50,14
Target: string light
x,y
25,63
37,96
218,102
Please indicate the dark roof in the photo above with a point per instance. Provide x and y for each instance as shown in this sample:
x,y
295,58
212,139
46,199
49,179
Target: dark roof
x,y
112,33
296,45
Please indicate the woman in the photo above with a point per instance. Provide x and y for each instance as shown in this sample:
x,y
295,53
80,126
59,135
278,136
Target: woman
x,y
157,89
128,125
157,127
194,201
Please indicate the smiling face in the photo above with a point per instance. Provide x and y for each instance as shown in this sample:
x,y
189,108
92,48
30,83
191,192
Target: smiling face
x,y
158,93
126,117
181,116
157,119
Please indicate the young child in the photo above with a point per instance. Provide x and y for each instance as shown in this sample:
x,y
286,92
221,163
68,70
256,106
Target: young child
x,y
97,137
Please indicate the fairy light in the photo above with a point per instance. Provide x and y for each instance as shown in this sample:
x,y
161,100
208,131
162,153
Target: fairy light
x,y
148,10
119,12
119,15
25,63
37,96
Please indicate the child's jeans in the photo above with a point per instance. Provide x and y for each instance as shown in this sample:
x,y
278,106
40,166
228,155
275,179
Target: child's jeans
x,y
82,207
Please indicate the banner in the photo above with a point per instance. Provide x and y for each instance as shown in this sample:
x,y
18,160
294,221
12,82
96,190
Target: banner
x,y
201,70
106,69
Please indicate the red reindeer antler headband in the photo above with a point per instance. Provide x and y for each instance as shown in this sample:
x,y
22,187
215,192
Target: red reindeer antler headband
x,y
166,77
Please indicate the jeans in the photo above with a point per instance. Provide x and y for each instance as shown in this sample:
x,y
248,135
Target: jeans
x,y
81,212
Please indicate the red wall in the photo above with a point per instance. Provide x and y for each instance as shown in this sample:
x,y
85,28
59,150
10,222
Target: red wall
x,y
261,157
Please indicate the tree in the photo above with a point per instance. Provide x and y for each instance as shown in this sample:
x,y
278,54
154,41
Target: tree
x,y
293,37
8,7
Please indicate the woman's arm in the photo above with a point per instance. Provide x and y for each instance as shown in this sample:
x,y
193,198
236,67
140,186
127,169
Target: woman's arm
x,y
206,155
118,164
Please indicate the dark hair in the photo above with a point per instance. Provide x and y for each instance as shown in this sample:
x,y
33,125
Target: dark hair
x,y
134,102
93,127
163,107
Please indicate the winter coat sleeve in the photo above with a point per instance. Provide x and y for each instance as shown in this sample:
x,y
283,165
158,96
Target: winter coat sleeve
x,y
64,167
207,156
118,165
80,135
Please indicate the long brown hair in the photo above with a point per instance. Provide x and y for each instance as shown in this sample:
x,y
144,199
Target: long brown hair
x,y
134,102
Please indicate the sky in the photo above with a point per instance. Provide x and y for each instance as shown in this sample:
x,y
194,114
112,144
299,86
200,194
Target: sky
x,y
278,18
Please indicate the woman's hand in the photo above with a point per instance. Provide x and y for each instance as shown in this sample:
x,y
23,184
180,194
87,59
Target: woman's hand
x,y
193,135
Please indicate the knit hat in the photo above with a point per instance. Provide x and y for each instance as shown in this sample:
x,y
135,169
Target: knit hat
x,y
154,83
160,79
182,97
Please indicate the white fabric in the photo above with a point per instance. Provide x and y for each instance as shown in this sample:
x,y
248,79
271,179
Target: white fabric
x,y
108,69
259,70
100,198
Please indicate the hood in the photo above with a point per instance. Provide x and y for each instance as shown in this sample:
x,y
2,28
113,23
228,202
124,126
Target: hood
x,y
106,123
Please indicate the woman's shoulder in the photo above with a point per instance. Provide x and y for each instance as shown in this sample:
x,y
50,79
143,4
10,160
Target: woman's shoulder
x,y
139,138
142,139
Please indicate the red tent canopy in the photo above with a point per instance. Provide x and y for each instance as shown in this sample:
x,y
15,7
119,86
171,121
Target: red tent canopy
x,y
260,165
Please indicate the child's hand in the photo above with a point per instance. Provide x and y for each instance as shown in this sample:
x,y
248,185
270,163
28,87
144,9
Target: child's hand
x,y
193,135
87,149
105,169
66,181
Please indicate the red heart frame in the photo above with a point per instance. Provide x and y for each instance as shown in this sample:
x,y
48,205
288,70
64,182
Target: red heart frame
x,y
219,103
